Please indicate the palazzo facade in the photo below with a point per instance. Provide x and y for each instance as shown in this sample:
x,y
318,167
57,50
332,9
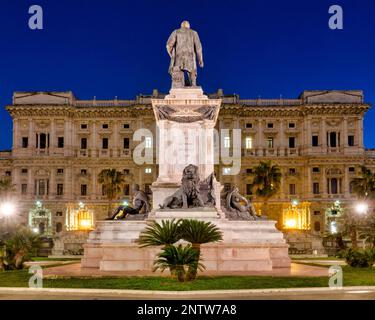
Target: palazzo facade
x,y
61,144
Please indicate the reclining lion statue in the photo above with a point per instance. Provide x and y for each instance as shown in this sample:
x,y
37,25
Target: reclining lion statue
x,y
188,195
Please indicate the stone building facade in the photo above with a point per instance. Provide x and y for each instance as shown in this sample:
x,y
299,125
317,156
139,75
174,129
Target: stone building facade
x,y
61,144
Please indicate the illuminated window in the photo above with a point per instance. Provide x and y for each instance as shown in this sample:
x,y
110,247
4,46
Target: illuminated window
x,y
226,142
226,171
316,188
249,142
148,142
270,143
297,217
148,170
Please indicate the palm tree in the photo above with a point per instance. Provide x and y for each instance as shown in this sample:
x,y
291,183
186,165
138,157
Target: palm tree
x,y
266,182
112,182
164,234
6,186
364,186
177,259
197,233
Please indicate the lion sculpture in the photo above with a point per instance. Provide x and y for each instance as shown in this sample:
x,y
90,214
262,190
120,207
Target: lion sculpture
x,y
188,195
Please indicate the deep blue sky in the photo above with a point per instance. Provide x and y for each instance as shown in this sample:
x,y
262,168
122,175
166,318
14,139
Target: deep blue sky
x,y
251,47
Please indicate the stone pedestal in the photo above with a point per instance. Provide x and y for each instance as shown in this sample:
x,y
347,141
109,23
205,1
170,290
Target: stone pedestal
x,y
246,245
185,120
185,123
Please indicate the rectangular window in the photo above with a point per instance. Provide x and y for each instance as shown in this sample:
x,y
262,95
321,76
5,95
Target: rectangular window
x,y
292,170
24,189
105,143
42,141
126,172
60,171
83,189
291,125
332,139
269,125
42,188
84,172
83,143
292,189
126,143
25,142
104,190
148,188
249,189
8,173
126,189
226,142
351,141
23,171
292,142
105,126
270,143
316,188
148,142
59,214
60,142
315,141
351,169
249,171
249,143
83,126
315,169
126,126
148,170
60,189
249,125
316,213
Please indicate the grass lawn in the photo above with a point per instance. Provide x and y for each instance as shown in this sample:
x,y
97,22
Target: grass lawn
x,y
352,277
315,258
53,259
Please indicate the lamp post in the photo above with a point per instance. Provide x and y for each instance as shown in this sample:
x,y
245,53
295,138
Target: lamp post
x,y
361,208
7,209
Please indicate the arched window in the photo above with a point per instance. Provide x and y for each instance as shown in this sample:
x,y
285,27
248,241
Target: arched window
x,y
58,227
317,226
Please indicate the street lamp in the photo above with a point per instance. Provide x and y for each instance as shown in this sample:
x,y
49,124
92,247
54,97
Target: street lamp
x,y
7,209
361,207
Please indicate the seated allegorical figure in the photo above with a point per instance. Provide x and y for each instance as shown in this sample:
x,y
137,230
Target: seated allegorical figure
x,y
141,205
237,207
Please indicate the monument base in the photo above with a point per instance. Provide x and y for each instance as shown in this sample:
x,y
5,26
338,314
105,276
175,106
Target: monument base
x,y
246,245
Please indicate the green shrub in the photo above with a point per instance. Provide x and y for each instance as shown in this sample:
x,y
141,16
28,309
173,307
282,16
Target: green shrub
x,y
17,247
360,258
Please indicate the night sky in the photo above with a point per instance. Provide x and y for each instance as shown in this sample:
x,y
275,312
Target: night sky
x,y
251,47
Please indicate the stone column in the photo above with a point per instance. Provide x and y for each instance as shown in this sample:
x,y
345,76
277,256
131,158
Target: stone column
x,y
116,146
360,131
94,137
281,138
323,135
260,138
324,182
32,142
346,183
52,137
344,138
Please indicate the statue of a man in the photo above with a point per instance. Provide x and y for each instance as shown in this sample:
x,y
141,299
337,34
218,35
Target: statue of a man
x,y
184,48
140,204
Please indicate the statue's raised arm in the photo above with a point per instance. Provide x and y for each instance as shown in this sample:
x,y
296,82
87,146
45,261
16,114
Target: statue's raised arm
x,y
184,48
